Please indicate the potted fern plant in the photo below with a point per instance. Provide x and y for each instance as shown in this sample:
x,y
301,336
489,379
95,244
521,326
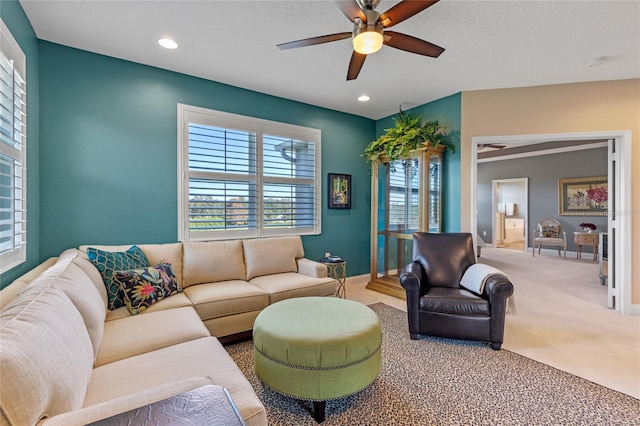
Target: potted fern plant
x,y
408,134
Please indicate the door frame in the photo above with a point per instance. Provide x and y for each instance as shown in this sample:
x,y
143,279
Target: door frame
x,y
622,180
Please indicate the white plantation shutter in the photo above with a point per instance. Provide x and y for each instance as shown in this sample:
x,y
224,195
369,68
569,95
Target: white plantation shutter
x,y
245,177
12,158
289,183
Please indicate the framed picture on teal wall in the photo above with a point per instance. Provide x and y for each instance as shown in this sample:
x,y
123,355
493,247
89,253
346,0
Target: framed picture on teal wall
x,y
339,191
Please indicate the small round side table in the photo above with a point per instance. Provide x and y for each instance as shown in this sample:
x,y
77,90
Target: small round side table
x,y
337,271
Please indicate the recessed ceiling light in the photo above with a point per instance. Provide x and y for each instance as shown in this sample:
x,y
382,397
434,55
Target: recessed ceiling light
x,y
364,98
167,43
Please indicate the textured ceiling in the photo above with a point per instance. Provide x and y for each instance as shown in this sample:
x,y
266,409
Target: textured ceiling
x,y
489,45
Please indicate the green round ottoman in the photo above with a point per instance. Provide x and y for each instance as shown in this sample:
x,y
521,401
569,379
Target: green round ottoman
x,y
317,348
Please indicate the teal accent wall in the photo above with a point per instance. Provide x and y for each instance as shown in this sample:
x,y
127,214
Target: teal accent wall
x,y
108,158
14,18
448,111
102,151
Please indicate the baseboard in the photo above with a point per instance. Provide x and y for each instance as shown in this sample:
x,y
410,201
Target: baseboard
x,y
358,279
635,310
572,254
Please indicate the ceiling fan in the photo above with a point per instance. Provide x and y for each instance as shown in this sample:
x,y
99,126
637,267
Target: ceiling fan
x,y
369,31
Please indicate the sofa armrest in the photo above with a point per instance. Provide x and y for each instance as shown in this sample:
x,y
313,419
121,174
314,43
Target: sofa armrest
x,y
311,268
123,404
11,291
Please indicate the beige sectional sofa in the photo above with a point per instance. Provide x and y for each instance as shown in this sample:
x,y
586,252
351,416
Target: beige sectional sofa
x,y
66,359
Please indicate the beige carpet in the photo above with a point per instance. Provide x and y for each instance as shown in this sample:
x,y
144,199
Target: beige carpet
x,y
435,381
562,319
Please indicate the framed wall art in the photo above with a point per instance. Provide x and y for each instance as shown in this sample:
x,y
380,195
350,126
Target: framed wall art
x,y
586,196
339,191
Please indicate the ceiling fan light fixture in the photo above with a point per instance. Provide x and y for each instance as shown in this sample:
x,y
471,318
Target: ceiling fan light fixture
x,y
367,36
367,41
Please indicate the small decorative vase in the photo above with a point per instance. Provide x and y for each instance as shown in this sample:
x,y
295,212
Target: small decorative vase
x,y
587,230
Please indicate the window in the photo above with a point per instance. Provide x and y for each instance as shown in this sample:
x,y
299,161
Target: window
x,y
13,141
244,177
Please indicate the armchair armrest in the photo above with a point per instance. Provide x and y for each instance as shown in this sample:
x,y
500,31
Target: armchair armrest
x,y
411,280
123,404
311,268
411,277
497,289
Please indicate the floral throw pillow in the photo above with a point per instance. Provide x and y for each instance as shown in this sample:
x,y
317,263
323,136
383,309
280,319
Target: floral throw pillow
x,y
146,286
550,231
108,262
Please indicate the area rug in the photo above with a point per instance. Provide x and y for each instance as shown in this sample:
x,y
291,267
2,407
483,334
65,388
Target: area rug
x,y
434,381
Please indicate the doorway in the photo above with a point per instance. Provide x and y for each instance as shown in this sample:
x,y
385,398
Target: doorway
x,y
510,206
619,223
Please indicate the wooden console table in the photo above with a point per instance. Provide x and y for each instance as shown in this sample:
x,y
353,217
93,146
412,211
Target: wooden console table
x,y
586,239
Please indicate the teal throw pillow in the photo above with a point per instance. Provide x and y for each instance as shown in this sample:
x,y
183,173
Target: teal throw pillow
x,y
108,262
145,286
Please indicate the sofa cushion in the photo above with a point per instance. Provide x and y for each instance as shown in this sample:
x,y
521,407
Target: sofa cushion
x,y
146,286
130,336
213,300
291,284
222,327
198,357
456,301
171,252
212,261
92,272
108,262
265,256
46,356
82,292
179,300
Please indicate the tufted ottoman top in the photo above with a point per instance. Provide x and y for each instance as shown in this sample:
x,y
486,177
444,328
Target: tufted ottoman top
x,y
317,333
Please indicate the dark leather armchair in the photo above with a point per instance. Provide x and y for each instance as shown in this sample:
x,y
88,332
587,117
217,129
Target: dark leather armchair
x,y
437,305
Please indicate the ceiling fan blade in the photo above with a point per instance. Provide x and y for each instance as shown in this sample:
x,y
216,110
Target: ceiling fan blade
x,y
351,10
314,40
411,44
355,65
403,10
